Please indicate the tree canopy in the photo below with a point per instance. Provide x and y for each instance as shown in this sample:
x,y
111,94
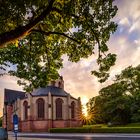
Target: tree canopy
x,y
34,34
119,102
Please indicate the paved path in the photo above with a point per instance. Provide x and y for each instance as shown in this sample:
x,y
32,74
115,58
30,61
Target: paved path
x,y
51,136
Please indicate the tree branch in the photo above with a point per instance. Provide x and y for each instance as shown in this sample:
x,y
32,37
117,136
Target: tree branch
x,y
22,31
57,33
98,42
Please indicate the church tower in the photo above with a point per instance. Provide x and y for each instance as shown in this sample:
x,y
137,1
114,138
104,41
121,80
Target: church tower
x,y
58,83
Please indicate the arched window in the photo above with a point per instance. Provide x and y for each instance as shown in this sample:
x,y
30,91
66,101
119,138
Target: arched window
x,y
59,108
72,109
40,108
25,110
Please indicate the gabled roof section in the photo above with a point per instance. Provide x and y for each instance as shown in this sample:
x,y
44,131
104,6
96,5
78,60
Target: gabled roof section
x,y
55,91
11,96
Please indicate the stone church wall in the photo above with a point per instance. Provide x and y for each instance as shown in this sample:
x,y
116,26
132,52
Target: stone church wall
x,y
33,124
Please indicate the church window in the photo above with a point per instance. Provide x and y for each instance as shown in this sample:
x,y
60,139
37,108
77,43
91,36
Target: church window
x,y
73,110
59,108
25,107
40,108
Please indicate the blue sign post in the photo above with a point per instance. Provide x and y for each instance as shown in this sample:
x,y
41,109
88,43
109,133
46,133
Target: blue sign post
x,y
15,122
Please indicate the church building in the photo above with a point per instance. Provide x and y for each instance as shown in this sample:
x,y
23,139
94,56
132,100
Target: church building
x,y
44,108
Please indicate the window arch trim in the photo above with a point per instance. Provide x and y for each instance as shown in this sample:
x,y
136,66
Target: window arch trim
x,y
59,108
73,110
40,108
25,110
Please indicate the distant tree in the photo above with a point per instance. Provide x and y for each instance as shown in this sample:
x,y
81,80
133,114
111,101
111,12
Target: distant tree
x,y
53,28
120,101
116,104
131,79
94,109
110,106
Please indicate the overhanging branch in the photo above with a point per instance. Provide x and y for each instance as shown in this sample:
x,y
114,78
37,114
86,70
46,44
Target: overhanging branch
x,y
22,31
57,33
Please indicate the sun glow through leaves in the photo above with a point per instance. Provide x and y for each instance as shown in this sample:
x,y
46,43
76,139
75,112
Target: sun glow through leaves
x,y
84,101
85,117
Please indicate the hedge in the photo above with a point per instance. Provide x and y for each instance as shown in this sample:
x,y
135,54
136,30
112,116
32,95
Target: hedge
x,y
96,130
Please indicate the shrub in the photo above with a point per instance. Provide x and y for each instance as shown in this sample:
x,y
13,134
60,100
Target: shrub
x,y
94,126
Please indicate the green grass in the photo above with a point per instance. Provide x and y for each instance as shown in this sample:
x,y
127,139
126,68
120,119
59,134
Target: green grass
x,y
100,128
96,126
106,126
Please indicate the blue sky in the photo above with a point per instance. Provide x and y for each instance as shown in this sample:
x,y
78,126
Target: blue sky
x,y
125,42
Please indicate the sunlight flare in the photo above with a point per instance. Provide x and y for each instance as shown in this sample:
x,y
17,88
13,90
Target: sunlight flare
x,y
84,101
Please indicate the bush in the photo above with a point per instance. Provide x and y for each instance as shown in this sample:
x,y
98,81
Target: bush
x,y
135,118
96,130
133,125
95,125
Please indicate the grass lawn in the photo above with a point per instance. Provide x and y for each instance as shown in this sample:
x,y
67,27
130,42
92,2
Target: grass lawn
x,y
131,125
100,128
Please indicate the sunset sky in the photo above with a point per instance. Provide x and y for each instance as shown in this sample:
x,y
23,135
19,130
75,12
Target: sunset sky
x,y
125,42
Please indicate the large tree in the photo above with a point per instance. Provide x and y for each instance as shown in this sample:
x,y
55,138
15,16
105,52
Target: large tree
x,y
44,30
120,101
130,77
111,105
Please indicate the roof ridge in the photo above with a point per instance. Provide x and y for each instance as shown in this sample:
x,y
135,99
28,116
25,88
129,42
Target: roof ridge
x,y
14,90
